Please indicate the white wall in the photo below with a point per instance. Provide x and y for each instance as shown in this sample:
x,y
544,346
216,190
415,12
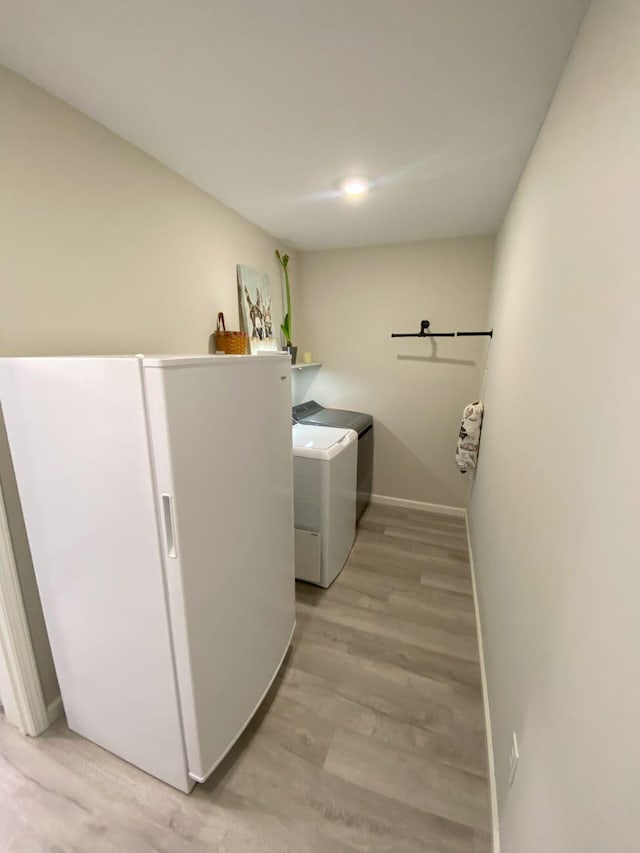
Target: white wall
x,y
352,300
555,508
104,250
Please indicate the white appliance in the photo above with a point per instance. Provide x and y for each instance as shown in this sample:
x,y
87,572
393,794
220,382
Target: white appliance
x,y
325,461
157,494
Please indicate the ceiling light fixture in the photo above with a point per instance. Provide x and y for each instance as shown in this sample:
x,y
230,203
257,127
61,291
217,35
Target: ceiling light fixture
x,y
355,186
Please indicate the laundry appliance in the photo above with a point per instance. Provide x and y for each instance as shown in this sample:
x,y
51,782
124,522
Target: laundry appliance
x,y
317,415
324,490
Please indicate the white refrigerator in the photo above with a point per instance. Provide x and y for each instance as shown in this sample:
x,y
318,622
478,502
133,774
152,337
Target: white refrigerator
x,y
157,495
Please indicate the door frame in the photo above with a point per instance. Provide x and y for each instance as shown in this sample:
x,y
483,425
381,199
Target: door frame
x,y
20,687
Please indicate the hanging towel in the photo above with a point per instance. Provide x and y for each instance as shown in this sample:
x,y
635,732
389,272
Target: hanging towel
x,y
469,437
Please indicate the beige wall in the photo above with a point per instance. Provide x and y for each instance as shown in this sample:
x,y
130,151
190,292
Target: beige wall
x,y
352,300
103,250
555,508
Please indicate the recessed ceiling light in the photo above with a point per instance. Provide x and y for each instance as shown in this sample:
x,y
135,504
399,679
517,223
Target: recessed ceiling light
x,y
355,186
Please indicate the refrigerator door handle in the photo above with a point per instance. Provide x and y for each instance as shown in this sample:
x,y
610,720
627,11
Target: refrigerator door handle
x,y
169,530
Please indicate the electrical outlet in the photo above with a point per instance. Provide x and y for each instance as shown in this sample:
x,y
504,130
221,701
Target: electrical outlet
x,y
514,757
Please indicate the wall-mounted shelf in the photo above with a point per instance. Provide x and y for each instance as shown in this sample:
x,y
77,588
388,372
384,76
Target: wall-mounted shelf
x,y
304,366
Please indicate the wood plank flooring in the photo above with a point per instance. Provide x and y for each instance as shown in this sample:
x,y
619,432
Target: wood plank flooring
x,y
371,739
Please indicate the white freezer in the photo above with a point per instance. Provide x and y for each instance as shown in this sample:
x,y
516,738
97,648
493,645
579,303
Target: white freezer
x,y
157,494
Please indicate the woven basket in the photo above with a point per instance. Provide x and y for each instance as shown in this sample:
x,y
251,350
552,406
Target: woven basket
x,y
232,343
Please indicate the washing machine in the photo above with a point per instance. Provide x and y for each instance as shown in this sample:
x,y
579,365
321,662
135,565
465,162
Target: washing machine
x,y
325,463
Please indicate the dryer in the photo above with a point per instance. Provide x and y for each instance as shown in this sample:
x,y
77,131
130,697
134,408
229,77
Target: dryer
x,y
313,413
325,461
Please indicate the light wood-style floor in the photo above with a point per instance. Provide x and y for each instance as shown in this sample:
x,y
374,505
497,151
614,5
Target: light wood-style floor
x,y
372,738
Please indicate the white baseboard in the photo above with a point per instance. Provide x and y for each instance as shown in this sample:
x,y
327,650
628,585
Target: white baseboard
x,y
55,709
487,715
419,506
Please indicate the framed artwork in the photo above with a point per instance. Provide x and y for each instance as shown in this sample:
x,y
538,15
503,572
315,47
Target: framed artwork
x,y
254,297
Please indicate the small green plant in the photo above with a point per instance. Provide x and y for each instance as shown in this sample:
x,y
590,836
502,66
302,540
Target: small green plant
x,y
286,323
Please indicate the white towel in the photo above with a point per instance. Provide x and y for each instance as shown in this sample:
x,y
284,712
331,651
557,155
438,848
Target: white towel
x,y
469,437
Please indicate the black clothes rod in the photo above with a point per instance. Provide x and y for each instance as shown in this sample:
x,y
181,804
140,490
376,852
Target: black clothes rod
x,y
425,333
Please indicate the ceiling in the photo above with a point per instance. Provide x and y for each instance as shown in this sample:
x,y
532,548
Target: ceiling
x,y
269,104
